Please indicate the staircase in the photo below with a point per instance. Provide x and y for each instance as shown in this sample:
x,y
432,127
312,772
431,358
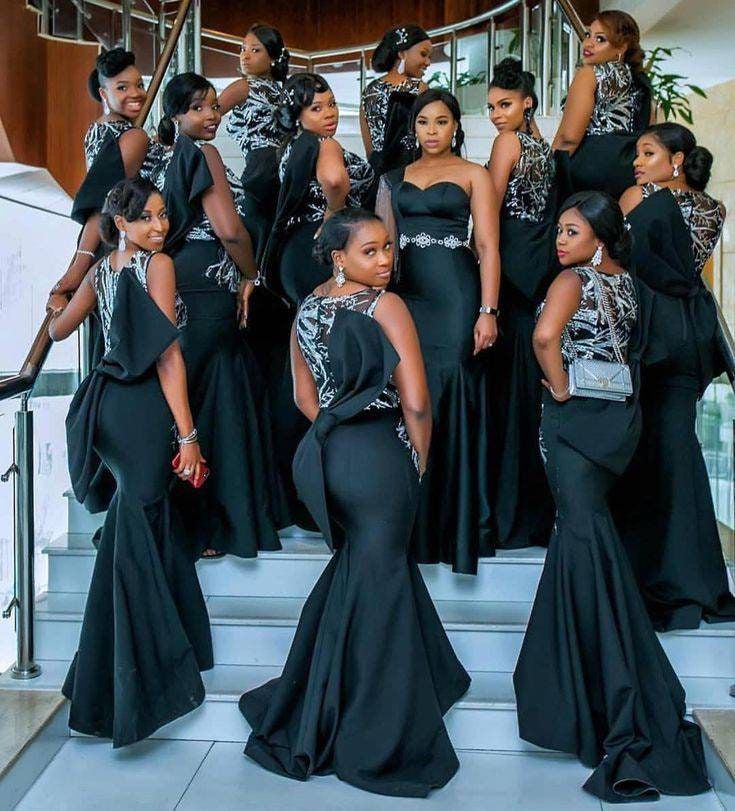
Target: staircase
x,y
254,606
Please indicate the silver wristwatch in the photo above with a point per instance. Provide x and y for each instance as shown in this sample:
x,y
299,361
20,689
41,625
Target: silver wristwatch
x,y
487,310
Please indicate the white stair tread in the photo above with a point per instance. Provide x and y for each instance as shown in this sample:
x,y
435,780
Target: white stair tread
x,y
489,690
297,544
455,614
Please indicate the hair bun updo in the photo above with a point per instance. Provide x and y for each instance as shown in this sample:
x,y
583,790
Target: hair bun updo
x,y
108,64
509,75
337,230
605,217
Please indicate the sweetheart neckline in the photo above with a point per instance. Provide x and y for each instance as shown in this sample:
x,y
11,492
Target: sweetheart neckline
x,y
438,183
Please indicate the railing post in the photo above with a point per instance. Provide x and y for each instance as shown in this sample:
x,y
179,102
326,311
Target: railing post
x,y
546,57
363,73
525,35
196,35
126,24
453,63
24,667
491,38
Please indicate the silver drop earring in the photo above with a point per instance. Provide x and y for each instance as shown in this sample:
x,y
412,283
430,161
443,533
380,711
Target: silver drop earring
x,y
105,106
177,127
121,241
339,276
675,173
418,144
454,140
402,66
596,260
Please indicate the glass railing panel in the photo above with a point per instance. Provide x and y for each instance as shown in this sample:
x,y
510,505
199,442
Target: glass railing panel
x,y
34,248
7,626
472,76
508,34
439,74
344,78
535,43
716,433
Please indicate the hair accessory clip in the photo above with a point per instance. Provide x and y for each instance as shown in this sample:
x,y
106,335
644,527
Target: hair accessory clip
x,y
290,97
401,36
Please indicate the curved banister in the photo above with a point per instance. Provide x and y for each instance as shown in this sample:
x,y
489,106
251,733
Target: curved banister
x,y
30,369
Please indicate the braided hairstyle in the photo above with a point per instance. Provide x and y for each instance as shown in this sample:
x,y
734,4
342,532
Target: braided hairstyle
x,y
126,199
430,96
394,41
177,97
298,92
697,166
272,41
605,218
108,64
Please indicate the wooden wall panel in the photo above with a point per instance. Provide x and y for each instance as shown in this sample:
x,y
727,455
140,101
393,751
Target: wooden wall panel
x,y
69,108
23,83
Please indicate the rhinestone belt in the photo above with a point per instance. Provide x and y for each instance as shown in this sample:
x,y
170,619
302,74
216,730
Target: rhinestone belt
x,y
424,240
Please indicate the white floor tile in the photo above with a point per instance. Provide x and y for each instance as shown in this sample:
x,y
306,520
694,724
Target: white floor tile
x,y
703,802
228,781
87,775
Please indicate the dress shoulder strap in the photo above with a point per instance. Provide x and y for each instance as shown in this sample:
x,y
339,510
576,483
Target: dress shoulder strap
x,y
378,294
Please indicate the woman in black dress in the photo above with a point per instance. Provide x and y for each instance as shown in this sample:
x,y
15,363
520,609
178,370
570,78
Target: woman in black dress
x,y
318,177
608,107
239,509
454,303
404,54
523,173
592,679
114,148
145,634
252,103
371,671
664,503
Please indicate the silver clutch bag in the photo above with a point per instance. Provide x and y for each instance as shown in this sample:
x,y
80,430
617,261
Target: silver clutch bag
x,y
602,379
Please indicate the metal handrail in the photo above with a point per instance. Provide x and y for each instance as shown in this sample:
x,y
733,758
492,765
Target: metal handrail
x,y
22,468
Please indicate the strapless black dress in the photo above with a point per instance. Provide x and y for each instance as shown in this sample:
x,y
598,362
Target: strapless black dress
x,y
439,280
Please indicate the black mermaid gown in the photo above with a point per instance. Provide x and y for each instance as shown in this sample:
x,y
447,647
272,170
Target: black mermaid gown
x,y
522,504
439,280
145,634
371,671
592,679
292,273
664,501
622,109
241,507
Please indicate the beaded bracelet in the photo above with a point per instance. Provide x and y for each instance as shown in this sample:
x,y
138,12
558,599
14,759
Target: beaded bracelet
x,y
189,439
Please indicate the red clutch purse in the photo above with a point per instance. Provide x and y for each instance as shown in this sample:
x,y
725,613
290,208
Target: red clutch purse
x,y
203,475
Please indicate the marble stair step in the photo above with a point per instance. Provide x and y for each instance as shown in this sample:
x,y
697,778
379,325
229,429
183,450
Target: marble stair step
x,y
292,572
483,719
486,635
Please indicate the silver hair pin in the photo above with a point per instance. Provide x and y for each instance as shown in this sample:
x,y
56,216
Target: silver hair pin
x,y
401,36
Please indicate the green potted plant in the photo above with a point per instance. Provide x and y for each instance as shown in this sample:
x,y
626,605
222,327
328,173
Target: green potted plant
x,y
670,91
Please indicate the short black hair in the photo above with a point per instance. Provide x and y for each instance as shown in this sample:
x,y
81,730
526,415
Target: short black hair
x,y
298,91
177,97
108,64
429,97
273,43
338,230
398,39
509,75
127,199
605,217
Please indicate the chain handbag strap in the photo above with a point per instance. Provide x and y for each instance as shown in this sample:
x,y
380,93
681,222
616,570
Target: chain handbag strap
x,y
607,312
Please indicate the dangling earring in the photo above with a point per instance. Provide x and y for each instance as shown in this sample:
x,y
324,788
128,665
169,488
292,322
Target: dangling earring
x,y
454,140
121,241
527,116
418,144
675,173
105,106
339,276
177,127
620,57
401,66
596,260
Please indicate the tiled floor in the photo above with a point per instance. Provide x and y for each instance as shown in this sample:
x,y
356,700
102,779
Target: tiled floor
x,y
86,775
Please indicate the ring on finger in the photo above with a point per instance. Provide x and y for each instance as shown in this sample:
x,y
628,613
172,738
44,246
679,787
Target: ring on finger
x,y
187,471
